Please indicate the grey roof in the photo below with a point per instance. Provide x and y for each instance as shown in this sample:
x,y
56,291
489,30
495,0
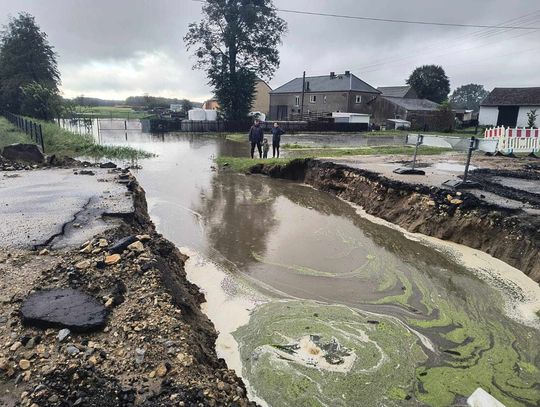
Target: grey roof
x,y
339,83
413,104
513,97
394,91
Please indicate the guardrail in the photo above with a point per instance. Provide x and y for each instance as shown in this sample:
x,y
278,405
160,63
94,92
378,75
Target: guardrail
x,y
455,143
31,128
515,140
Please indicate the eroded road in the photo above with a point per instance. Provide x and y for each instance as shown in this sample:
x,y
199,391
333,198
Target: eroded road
x,y
49,207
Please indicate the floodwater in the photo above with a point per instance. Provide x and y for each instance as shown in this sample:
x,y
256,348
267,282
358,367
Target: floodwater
x,y
319,305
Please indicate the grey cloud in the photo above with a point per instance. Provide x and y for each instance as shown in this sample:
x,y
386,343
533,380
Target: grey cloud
x,y
106,47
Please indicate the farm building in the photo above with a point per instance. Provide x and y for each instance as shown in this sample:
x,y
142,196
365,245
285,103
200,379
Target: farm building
x,y
509,106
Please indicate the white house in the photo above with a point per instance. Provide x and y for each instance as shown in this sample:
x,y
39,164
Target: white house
x,y
509,107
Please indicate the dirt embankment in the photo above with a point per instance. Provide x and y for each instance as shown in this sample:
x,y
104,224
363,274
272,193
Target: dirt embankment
x,y
157,348
510,235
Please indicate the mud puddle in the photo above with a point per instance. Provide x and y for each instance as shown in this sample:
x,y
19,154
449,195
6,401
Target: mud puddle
x,y
317,305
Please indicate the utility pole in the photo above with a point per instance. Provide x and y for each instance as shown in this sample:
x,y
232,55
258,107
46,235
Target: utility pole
x,y
303,91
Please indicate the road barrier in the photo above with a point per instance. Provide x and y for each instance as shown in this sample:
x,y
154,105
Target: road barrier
x,y
515,140
31,128
455,143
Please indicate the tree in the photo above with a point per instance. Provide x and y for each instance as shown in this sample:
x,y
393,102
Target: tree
x,y
26,57
186,106
234,42
430,82
40,101
531,118
468,97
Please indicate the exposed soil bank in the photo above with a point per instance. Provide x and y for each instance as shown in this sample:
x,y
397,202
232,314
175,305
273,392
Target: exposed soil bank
x,y
157,348
507,234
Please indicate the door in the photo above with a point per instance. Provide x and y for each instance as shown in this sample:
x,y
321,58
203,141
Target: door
x,y
508,116
282,113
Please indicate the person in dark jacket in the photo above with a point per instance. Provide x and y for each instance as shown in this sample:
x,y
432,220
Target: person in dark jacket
x,y
256,135
276,139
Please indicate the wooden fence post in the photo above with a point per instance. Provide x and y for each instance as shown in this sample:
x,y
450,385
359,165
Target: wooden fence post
x,y
41,139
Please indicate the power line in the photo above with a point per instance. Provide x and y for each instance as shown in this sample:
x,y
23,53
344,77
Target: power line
x,y
390,20
436,46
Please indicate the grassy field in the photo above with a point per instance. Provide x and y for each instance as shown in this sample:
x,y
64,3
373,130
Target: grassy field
x,y
378,150
65,143
10,134
118,112
243,164
241,137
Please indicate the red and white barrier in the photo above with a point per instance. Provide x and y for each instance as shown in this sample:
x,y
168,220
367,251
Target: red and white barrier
x,y
519,139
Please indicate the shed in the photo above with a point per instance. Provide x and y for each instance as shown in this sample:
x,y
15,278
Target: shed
x,y
397,124
342,117
509,106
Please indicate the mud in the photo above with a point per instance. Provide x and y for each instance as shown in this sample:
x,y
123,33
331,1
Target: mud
x,y
157,348
518,185
511,235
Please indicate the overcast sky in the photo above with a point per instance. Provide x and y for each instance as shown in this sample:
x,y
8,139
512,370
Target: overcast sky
x,y
117,48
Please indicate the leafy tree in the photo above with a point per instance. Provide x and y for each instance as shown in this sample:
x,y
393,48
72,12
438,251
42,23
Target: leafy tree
x,y
234,42
531,116
468,96
80,100
26,57
430,82
186,106
40,101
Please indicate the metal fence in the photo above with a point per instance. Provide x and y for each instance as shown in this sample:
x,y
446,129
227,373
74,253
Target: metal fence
x,y
31,128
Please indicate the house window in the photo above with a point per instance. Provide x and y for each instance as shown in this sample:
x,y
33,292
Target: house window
x,y
324,99
358,99
297,100
313,99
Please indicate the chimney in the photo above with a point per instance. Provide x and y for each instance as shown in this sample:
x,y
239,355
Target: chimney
x,y
332,75
307,86
347,73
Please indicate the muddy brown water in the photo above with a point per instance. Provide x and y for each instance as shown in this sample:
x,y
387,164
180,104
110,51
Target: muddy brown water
x,y
428,315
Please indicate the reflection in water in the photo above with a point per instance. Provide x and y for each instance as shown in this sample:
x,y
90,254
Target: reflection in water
x,y
238,215
423,329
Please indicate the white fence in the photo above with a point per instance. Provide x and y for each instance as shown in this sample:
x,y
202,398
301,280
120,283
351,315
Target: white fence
x,y
518,140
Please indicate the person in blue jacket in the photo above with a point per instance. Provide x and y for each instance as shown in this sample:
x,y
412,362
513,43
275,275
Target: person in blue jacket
x,y
276,139
256,135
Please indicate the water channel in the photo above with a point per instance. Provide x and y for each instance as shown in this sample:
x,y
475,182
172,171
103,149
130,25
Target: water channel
x,y
319,305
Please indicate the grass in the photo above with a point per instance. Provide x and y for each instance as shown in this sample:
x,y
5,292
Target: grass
x,y
10,134
117,112
65,143
243,164
313,152
468,132
239,137
377,150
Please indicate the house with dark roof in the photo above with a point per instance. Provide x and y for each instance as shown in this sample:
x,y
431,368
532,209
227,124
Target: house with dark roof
x,y
322,95
394,107
509,106
406,92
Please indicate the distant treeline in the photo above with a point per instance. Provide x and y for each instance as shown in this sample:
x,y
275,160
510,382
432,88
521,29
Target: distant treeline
x,y
135,101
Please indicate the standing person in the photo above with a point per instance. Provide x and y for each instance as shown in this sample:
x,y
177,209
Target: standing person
x,y
256,135
276,139
265,147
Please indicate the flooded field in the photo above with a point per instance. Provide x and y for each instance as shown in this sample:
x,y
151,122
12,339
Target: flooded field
x,y
319,306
